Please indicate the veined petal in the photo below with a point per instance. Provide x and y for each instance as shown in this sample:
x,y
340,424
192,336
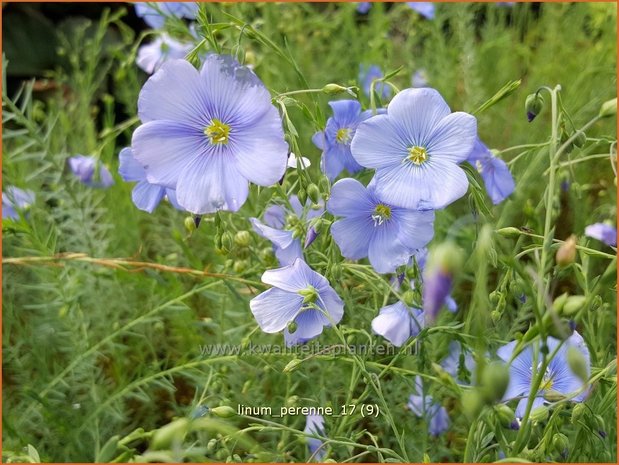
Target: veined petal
x,y
416,227
174,93
164,148
275,308
386,252
331,163
353,235
129,168
393,323
278,237
309,325
288,255
377,143
292,278
319,139
453,138
345,112
418,112
349,198
147,196
210,183
429,187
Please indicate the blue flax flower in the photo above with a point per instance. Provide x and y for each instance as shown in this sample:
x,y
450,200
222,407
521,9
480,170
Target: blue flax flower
x,y
283,228
415,149
558,377
301,296
315,424
364,7
155,13
367,74
398,323
145,196
163,48
425,9
15,199
335,140
207,133
602,232
425,407
494,171
374,228
90,171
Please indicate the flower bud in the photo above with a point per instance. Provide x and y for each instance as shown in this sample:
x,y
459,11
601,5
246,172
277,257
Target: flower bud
x,y
494,381
333,89
223,411
509,232
302,195
533,105
169,434
608,108
573,304
310,237
580,140
292,365
567,252
313,193
242,238
240,266
505,415
578,364
578,412
324,184
560,443
471,403
539,414
190,225
226,242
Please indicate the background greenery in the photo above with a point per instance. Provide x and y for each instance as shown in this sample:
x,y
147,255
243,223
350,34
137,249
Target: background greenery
x,y
94,355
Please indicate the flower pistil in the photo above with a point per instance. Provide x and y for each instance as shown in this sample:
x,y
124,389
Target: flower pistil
x,y
217,132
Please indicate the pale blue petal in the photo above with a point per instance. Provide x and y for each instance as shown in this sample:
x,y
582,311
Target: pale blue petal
x,y
522,405
353,235
439,420
332,162
278,237
416,227
385,251
171,195
453,138
602,232
418,112
377,143
275,308
393,323
292,278
275,216
174,92
430,187
349,198
211,183
309,325
147,196
425,9
505,352
319,139
165,148
129,168
288,255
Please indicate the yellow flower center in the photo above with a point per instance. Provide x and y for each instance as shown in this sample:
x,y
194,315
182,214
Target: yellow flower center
x,y
546,384
381,214
417,155
342,136
217,132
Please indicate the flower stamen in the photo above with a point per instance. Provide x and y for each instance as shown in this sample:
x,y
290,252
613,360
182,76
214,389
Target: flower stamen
x,y
342,136
217,132
381,214
417,154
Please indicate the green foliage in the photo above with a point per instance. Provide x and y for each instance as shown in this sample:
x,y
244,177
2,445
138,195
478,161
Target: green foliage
x,y
105,360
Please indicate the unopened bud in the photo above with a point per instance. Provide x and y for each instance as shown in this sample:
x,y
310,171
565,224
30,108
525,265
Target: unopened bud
x,y
313,193
302,195
223,411
310,237
494,381
226,241
173,432
505,415
539,414
580,140
567,252
533,105
471,403
608,108
509,232
190,225
578,364
333,89
292,365
578,412
408,298
242,238
573,304
324,184
560,443
559,302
